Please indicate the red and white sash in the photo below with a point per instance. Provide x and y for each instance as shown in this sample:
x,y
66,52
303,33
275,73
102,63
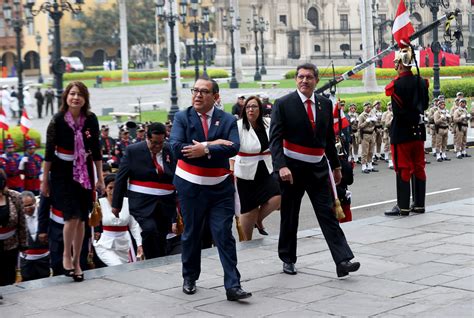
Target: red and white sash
x,y
7,232
57,216
64,154
254,157
33,255
150,187
201,175
302,153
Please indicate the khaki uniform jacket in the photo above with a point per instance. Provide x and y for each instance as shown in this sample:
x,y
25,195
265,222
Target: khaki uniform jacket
x,y
354,121
442,118
431,113
378,116
366,126
460,116
387,119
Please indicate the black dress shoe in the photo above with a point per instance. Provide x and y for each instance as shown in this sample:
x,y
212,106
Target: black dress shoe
x,y
189,287
466,155
261,230
418,209
446,159
237,293
395,211
289,268
345,267
374,170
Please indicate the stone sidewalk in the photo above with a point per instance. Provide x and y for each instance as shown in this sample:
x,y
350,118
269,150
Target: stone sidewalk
x,y
417,266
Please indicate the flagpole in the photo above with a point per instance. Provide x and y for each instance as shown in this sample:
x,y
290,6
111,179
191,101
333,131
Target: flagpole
x,y
387,51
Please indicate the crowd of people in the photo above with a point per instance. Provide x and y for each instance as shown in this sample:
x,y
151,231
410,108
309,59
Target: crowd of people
x,y
177,187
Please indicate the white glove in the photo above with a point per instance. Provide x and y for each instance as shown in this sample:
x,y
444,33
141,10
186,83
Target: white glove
x,y
352,120
448,115
443,117
110,161
468,115
463,116
369,119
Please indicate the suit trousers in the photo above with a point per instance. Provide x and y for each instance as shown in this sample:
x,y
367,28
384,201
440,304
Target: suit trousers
x,y
218,212
8,263
319,193
34,269
154,227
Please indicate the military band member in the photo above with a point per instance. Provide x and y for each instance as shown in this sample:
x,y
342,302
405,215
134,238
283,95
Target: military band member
x,y
460,119
378,132
433,109
140,133
442,118
107,145
387,118
31,167
12,162
122,143
355,137
366,131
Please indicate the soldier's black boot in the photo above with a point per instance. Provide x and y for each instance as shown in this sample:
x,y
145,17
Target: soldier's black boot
x,y
403,196
419,196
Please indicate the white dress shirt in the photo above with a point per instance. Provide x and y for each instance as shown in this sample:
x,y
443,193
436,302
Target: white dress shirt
x,y
313,103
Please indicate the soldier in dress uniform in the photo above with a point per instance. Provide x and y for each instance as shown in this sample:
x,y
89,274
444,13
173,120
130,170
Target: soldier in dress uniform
x,y
12,162
442,118
431,112
409,97
366,130
461,118
387,118
140,133
122,142
355,137
378,132
107,145
31,167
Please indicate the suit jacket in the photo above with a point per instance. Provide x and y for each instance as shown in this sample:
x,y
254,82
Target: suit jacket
x,y
137,165
186,128
290,122
245,167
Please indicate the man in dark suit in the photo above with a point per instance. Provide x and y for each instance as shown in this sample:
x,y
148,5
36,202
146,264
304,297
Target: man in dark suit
x,y
303,148
148,167
203,138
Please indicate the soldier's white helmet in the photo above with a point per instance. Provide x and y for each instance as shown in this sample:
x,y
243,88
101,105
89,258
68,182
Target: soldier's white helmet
x,y
404,56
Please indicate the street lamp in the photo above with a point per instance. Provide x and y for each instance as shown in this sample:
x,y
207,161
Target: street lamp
x,y
12,15
253,27
434,6
171,18
204,30
229,25
194,27
56,9
38,42
262,27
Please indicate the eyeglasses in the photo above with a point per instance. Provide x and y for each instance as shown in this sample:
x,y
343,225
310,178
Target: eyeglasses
x,y
29,206
302,77
196,91
251,107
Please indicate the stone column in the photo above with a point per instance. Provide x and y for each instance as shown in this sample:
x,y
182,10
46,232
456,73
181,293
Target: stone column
x,y
370,82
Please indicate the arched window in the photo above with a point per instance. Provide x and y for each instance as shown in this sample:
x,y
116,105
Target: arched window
x,y
313,17
317,48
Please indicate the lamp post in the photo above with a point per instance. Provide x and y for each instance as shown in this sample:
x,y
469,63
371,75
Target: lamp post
x,y
55,9
230,25
38,42
204,30
171,18
194,27
13,18
434,6
253,27
262,27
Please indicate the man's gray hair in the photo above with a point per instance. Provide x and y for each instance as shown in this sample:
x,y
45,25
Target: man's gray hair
x,y
28,194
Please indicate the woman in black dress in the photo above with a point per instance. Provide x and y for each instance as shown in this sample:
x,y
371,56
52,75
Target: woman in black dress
x,y
72,149
258,191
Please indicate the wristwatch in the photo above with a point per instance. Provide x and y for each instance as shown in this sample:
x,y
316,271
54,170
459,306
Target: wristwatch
x,y
206,151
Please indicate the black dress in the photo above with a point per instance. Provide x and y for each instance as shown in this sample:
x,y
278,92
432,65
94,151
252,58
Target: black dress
x,y
254,193
72,199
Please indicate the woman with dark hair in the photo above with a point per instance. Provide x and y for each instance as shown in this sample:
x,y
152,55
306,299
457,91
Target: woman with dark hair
x,y
13,234
114,245
72,149
259,193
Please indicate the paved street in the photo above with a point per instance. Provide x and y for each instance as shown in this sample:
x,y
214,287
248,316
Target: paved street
x,y
416,266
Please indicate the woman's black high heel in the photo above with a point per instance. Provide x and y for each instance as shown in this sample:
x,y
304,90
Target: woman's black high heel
x,y
261,230
78,277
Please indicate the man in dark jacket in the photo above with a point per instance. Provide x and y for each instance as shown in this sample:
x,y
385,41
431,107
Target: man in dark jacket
x,y
39,101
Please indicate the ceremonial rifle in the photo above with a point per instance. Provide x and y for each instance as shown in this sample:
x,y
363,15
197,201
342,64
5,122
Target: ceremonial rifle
x,y
448,17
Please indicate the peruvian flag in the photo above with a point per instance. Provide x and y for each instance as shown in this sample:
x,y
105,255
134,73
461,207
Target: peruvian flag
x,y
402,28
3,119
344,122
25,122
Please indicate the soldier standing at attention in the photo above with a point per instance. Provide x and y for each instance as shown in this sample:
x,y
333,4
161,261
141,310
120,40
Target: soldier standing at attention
x,y
387,118
366,130
460,119
355,137
377,113
409,97
431,112
442,118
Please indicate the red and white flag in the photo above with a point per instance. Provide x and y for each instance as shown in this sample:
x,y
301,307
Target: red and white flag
x,y
3,119
344,122
25,122
402,28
